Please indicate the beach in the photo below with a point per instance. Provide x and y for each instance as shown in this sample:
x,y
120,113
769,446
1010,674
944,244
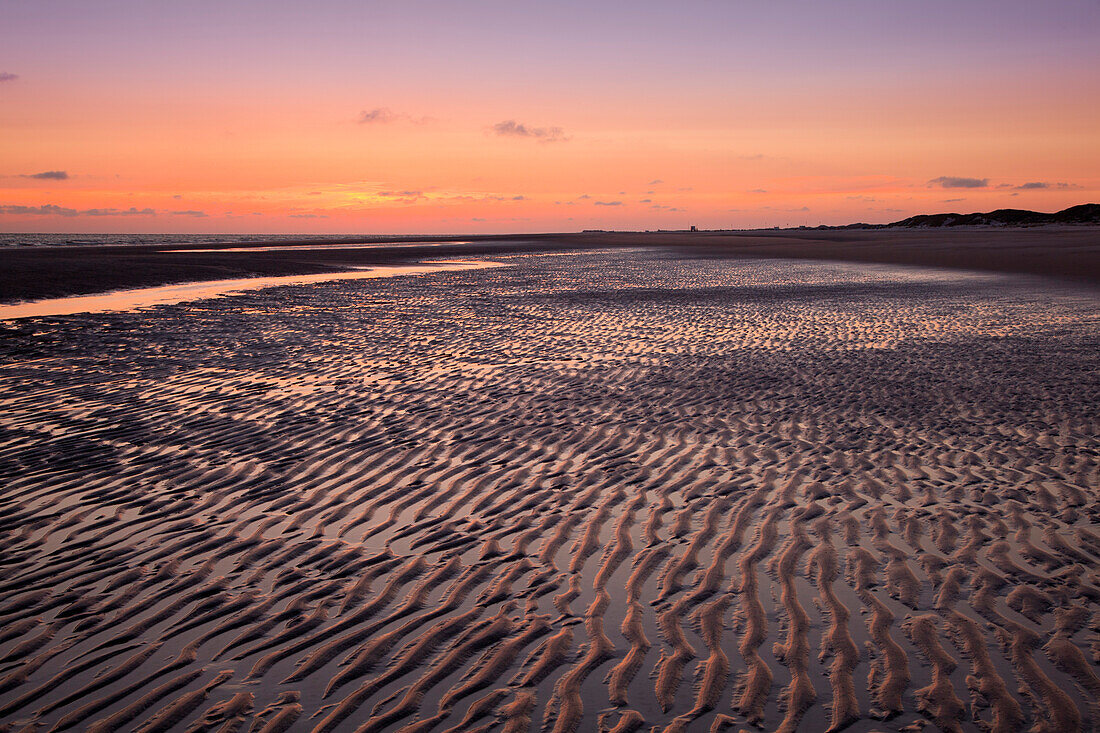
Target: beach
x,y
665,482
51,271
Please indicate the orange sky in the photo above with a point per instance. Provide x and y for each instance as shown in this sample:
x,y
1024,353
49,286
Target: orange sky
x,y
144,122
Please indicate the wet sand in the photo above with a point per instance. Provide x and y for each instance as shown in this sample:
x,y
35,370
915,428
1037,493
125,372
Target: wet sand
x,y
139,298
627,489
32,273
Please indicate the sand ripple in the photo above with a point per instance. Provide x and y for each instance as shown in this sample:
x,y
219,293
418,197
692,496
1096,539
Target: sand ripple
x,y
616,491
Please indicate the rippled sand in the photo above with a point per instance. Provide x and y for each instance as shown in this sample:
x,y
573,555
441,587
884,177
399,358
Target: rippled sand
x,y
616,491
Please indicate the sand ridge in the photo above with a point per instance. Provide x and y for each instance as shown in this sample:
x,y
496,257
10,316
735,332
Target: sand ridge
x,y
605,491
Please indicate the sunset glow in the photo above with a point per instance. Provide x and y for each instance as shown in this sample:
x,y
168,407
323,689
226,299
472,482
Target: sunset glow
x,y
435,117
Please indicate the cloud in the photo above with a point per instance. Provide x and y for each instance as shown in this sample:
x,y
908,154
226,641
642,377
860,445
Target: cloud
x,y
759,190
49,175
401,194
5,76
308,216
45,210
1037,185
377,115
645,201
655,182
959,182
519,198
132,211
385,115
405,197
188,212
511,128
951,201
55,210
609,203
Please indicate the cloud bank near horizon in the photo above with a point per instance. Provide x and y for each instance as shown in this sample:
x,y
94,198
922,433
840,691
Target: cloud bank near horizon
x,y
959,182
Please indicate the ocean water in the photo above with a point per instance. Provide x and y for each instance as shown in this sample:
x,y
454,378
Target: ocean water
x,y
53,240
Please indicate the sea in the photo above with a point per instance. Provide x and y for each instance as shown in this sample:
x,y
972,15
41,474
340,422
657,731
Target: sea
x,y
84,240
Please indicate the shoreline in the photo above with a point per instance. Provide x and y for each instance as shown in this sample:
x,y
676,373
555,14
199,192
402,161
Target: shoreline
x,y
134,299
36,273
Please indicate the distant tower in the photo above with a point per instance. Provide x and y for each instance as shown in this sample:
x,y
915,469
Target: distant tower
x,y
694,228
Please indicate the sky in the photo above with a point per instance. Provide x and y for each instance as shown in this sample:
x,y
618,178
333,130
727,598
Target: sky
x,y
354,116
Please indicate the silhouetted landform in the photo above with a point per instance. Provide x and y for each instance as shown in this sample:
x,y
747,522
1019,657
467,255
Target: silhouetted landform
x,y
1081,214
607,491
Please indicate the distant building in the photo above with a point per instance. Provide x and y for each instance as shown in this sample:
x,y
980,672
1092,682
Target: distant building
x,y
694,228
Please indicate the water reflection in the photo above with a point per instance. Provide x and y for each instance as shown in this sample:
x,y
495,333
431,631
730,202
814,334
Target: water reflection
x,y
126,300
285,247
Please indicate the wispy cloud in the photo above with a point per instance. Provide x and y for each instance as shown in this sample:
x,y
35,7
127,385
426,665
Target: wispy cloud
x,y
189,212
49,175
1040,185
376,115
609,203
45,210
511,128
55,210
404,196
959,182
385,116
5,76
